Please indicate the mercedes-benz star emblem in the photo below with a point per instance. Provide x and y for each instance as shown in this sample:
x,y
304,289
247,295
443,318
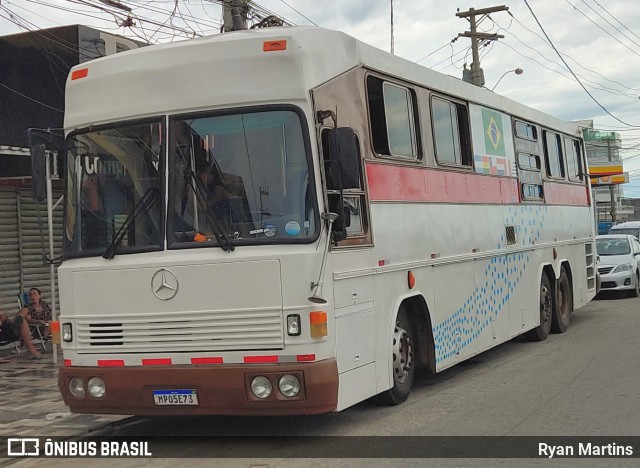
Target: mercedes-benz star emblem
x,y
164,284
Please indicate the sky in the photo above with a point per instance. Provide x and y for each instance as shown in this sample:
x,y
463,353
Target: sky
x,y
598,39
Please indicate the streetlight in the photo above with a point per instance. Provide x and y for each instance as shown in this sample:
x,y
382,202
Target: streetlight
x,y
517,71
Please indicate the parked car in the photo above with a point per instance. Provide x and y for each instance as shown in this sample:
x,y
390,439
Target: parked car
x,y
630,227
619,263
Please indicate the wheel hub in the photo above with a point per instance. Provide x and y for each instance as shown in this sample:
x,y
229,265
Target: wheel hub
x,y
402,353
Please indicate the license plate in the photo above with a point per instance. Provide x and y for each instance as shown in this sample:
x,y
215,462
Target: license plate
x,y
175,397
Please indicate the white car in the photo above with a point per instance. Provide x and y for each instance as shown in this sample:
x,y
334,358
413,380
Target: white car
x,y
618,263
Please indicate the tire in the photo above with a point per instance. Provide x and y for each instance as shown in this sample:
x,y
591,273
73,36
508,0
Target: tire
x,y
635,292
403,364
564,304
541,332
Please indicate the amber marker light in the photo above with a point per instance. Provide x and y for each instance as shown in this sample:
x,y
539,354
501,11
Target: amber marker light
x,y
411,280
318,324
270,46
80,73
55,332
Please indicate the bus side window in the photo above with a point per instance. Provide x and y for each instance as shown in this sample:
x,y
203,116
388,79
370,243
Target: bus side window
x,y
393,117
553,155
574,161
451,133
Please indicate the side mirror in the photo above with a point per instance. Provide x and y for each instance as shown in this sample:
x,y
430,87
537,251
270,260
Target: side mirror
x,y
342,222
38,172
344,157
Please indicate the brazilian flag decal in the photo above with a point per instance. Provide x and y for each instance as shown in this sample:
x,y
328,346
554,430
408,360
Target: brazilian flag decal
x,y
493,133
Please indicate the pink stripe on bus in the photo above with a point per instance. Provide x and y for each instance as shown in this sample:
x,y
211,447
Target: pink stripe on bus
x,y
564,194
401,183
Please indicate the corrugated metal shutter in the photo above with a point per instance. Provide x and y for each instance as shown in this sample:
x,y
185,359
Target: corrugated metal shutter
x,y
9,252
23,242
34,234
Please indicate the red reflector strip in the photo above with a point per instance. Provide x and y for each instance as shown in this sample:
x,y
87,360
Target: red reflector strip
x,y
269,46
77,74
206,360
305,357
257,359
110,362
67,362
156,362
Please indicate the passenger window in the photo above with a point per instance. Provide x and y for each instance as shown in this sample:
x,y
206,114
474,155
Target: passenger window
x,y
392,113
526,131
451,132
529,161
574,161
553,155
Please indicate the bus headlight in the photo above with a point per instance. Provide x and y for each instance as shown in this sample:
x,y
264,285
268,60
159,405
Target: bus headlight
x,y
261,387
96,387
289,385
76,387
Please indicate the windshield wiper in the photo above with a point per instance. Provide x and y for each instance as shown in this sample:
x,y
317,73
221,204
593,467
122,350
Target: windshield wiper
x,y
200,190
144,204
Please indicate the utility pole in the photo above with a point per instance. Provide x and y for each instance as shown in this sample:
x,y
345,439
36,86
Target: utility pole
x,y
612,188
234,15
392,26
477,75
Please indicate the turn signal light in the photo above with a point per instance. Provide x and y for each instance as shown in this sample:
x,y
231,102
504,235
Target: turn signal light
x,y
55,332
318,324
411,280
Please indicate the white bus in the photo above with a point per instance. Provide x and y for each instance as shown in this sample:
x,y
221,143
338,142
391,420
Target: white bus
x,y
289,221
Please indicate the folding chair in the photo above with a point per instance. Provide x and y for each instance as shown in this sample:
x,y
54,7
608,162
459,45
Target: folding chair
x,y
14,345
36,328
10,341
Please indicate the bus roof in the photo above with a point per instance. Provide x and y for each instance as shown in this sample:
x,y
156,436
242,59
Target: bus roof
x,y
234,70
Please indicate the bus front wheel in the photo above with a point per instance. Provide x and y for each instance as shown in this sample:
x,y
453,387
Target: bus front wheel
x,y
403,364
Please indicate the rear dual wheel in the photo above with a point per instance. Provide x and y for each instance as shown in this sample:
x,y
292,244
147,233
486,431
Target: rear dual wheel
x,y
541,332
564,304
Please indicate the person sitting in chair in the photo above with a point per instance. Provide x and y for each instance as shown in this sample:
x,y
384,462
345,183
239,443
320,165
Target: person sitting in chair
x,y
15,328
37,312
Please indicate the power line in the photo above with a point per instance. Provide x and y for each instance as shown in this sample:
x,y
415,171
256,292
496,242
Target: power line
x,y
536,50
30,98
570,70
605,31
616,19
310,20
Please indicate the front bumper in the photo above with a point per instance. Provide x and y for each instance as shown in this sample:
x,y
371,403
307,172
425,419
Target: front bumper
x,y
618,281
221,389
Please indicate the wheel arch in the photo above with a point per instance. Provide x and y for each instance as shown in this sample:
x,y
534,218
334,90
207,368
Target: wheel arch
x,y
418,311
567,267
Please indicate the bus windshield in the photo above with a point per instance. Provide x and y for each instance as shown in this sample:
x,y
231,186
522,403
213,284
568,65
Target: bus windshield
x,y
113,190
240,178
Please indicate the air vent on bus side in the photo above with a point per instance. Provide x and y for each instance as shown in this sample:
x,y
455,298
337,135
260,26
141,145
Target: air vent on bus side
x,y
510,234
